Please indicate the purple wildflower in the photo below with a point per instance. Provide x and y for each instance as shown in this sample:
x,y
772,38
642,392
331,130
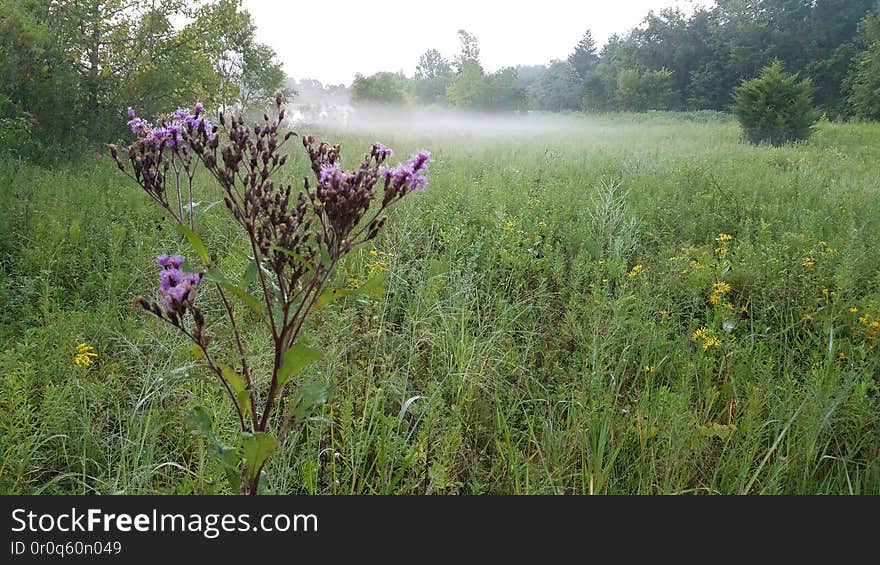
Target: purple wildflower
x,y
174,261
192,278
170,134
332,173
140,127
411,174
382,151
169,278
418,181
182,115
420,161
176,287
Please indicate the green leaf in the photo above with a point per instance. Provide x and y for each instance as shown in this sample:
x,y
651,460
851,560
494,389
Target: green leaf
x,y
250,274
229,458
307,397
244,400
196,242
215,275
257,449
252,301
200,419
236,381
373,287
238,386
295,360
197,352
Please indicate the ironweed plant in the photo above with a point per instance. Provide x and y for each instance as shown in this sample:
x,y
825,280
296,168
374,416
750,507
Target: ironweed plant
x,y
295,240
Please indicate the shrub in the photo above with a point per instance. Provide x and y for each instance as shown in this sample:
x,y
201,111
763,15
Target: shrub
x,y
776,107
16,132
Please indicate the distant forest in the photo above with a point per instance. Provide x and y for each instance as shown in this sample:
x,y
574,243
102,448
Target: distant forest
x,y
671,61
71,68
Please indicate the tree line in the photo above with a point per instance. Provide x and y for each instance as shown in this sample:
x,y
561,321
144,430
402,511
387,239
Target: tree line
x,y
70,68
671,61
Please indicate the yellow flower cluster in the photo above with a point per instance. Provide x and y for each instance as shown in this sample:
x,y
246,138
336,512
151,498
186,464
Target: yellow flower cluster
x,y
707,336
85,355
872,327
636,271
379,262
808,262
873,331
719,289
723,240
826,249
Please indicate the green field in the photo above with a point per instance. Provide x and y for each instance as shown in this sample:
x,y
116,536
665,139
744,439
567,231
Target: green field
x,y
561,316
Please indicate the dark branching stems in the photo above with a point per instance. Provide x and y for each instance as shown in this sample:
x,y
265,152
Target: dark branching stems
x,y
296,238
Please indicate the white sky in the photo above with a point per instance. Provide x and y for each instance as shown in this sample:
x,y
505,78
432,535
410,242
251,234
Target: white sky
x,y
331,40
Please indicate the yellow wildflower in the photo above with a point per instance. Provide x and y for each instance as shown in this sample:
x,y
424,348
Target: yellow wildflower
x,y
808,262
85,355
708,338
723,237
853,310
721,287
700,333
635,271
864,319
711,342
649,368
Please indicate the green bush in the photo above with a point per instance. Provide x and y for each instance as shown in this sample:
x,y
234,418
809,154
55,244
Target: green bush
x,y
776,107
16,137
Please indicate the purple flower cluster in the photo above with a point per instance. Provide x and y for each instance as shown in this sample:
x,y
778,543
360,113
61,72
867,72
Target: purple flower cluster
x,y
332,174
412,173
139,126
170,134
381,151
177,288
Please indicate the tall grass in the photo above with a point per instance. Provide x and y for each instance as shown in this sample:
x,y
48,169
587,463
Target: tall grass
x,y
536,335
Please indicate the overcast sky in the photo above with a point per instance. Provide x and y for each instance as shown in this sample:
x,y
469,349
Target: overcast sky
x,y
332,40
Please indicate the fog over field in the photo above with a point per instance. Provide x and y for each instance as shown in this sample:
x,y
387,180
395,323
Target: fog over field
x,y
408,120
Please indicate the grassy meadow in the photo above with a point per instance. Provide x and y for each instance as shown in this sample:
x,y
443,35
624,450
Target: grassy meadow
x,y
635,304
